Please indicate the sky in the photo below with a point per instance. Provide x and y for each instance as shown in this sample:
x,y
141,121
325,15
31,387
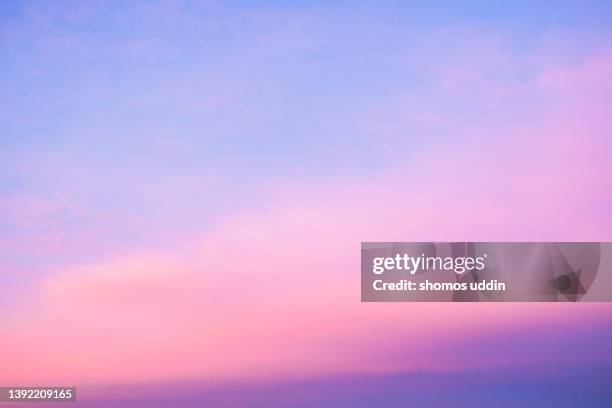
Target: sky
x,y
184,187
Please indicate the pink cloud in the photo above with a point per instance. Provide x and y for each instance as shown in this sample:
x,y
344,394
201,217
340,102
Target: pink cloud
x,y
275,290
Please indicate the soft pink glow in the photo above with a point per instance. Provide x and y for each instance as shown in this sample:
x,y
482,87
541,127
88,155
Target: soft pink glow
x,y
274,290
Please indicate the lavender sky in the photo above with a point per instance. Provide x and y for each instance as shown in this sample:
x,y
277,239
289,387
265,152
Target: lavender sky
x,y
184,185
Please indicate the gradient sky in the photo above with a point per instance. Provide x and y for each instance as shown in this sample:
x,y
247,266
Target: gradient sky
x,y
184,185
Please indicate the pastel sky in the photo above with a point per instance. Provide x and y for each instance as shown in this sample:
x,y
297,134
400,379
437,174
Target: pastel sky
x,y
184,186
